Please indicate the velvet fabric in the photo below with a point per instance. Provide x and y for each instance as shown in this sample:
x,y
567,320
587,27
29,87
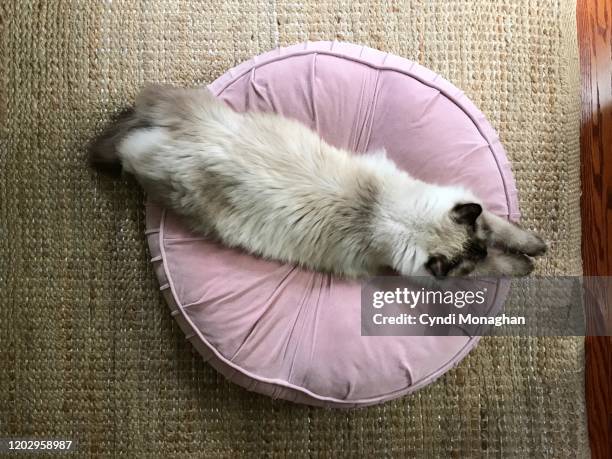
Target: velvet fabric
x,y
295,334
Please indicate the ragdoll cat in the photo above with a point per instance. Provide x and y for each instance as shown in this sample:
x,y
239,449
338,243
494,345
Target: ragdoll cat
x,y
273,187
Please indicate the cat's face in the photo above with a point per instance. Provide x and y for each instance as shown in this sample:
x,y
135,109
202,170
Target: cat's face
x,y
454,246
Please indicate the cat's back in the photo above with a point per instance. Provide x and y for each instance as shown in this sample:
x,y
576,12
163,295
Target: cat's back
x,y
274,149
204,132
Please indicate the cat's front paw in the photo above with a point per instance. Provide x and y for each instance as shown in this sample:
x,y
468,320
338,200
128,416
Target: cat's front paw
x,y
504,264
533,245
520,265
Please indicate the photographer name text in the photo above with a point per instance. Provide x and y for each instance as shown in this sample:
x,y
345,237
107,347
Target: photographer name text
x,y
450,319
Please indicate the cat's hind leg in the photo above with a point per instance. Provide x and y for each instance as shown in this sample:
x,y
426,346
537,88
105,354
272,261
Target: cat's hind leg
x,y
103,152
174,108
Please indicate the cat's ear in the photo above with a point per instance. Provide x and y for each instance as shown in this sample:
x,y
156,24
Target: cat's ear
x,y
438,265
466,214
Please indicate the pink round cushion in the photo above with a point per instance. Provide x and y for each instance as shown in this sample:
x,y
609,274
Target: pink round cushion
x,y
295,334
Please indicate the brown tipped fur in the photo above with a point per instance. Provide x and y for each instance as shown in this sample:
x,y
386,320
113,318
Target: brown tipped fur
x,y
273,187
102,154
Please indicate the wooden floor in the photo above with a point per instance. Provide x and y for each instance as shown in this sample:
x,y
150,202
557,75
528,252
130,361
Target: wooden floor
x,y
595,40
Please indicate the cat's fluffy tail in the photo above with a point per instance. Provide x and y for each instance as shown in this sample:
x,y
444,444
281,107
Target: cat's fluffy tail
x,y
103,154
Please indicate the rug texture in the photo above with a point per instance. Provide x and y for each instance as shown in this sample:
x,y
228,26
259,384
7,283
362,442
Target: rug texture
x,y
88,349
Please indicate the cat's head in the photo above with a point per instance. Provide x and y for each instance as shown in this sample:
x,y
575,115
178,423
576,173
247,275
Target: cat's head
x,y
430,229
443,231
442,239
453,243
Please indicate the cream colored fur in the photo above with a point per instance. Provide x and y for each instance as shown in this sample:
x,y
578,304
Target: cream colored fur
x,y
273,187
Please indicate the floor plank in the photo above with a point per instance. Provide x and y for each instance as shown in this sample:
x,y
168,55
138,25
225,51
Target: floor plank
x,y
595,41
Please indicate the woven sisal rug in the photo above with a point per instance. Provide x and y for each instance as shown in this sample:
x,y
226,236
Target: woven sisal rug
x,y
88,349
